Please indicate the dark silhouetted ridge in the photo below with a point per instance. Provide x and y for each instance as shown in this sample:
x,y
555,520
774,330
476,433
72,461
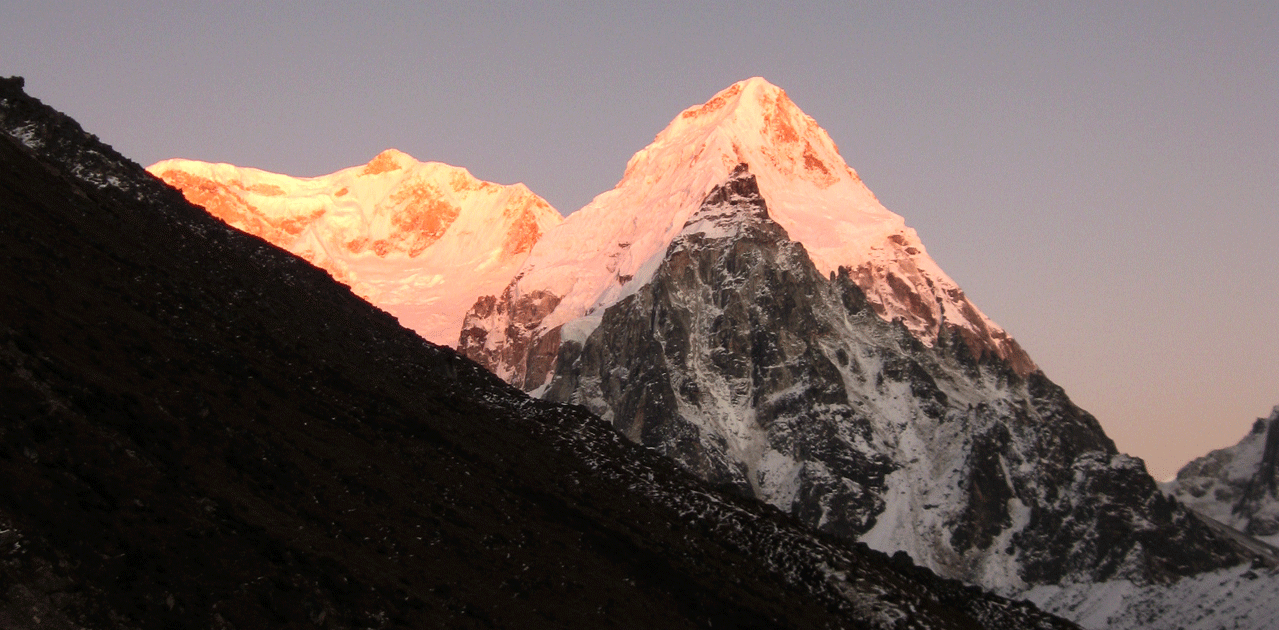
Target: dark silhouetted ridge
x,y
200,430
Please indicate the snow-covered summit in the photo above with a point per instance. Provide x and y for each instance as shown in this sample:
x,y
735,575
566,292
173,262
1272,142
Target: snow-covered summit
x,y
420,239
610,248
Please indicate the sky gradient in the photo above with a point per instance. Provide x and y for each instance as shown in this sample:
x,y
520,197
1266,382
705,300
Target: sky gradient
x,y
1102,180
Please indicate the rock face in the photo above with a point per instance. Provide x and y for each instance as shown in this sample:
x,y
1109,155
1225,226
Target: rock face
x,y
749,367
743,304
1238,485
506,331
202,430
421,240
609,249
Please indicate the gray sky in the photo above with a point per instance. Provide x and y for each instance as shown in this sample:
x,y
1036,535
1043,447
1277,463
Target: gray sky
x,y
1102,180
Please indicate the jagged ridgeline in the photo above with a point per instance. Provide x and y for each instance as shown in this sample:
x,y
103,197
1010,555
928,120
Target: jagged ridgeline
x,y
744,363
743,304
201,430
1238,485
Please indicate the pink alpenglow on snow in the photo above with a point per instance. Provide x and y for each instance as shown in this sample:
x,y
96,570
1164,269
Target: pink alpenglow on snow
x,y
421,240
610,248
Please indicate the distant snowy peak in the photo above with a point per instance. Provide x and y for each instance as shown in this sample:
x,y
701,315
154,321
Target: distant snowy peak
x,y
393,204
608,249
1237,485
422,240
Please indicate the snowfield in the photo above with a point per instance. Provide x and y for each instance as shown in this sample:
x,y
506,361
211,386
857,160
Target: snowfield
x,y
1239,597
421,240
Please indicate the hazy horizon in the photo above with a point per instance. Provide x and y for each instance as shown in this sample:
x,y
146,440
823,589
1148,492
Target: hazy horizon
x,y
1101,180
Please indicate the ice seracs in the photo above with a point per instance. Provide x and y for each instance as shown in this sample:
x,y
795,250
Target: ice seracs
x,y
421,240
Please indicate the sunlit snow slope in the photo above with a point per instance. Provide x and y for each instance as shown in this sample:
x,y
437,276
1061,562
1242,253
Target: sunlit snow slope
x,y
420,240
609,248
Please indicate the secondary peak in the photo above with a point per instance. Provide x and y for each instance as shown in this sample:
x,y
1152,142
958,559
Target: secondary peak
x,y
386,161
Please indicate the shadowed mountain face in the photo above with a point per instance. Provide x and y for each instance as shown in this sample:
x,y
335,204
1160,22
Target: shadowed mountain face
x,y
743,303
1237,485
758,373
200,430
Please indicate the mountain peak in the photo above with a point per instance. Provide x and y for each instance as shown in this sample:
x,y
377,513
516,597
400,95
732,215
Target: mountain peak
x,y
749,93
420,239
152,330
751,121
1237,485
388,160
609,248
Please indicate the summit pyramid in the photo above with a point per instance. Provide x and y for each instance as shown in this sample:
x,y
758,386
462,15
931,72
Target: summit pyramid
x,y
609,248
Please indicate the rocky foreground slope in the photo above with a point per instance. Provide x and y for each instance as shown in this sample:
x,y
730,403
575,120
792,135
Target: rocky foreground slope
x,y
201,430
